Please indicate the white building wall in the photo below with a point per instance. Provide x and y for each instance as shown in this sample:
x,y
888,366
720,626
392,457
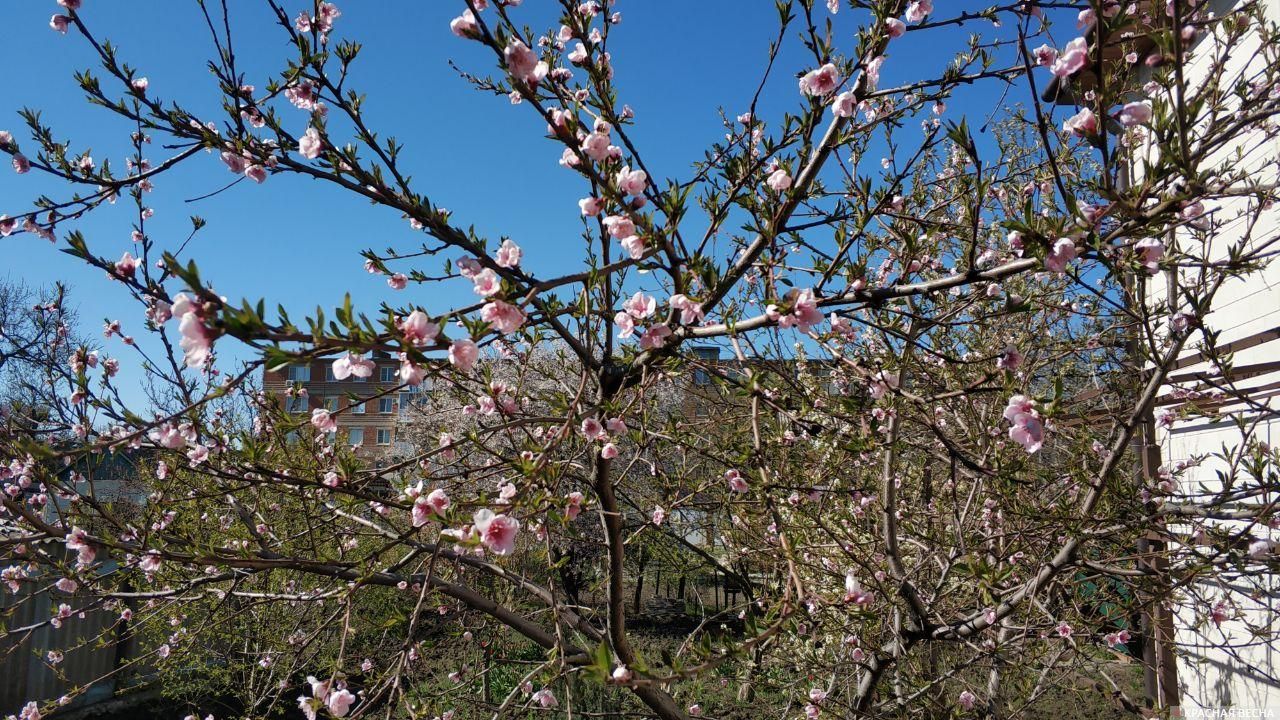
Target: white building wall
x,y
1234,664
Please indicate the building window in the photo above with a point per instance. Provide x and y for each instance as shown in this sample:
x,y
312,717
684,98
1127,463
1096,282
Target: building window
x,y
328,373
355,436
406,402
701,378
384,436
386,405
357,408
299,373
331,403
706,353
387,374
296,404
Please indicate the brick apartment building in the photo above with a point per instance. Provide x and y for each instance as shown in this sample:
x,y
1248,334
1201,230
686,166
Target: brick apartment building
x,y
367,410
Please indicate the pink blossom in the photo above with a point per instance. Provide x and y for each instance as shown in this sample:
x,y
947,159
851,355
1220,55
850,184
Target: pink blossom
x,y
619,226
1135,113
634,245
855,593
487,283
398,281
463,354
78,540
168,436
591,429
59,23
497,532
820,81
319,688
1010,359
523,63
895,28
418,329
1064,629
434,503
631,182
309,145
779,180
410,372
1150,252
804,312
150,562
967,700
640,306
465,26
340,702
545,698
323,421
197,339
509,254
1073,58
1116,638
256,173
596,146
504,317
1063,252
690,311
845,104
235,163
468,267
303,95
126,266
1045,55
695,710
20,163
626,325
659,515
1082,123
1026,427
655,337
736,482
574,506
1219,614
918,10
7,224
352,364
590,206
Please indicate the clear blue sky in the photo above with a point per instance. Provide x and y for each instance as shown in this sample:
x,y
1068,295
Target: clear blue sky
x,y
296,242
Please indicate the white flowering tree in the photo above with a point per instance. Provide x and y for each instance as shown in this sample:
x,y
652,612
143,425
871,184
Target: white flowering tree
x,y
916,469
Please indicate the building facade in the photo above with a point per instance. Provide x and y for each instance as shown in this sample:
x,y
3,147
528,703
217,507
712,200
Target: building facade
x,y
1200,660
367,410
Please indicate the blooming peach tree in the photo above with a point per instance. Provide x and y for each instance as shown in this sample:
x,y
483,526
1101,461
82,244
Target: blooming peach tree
x,y
916,461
